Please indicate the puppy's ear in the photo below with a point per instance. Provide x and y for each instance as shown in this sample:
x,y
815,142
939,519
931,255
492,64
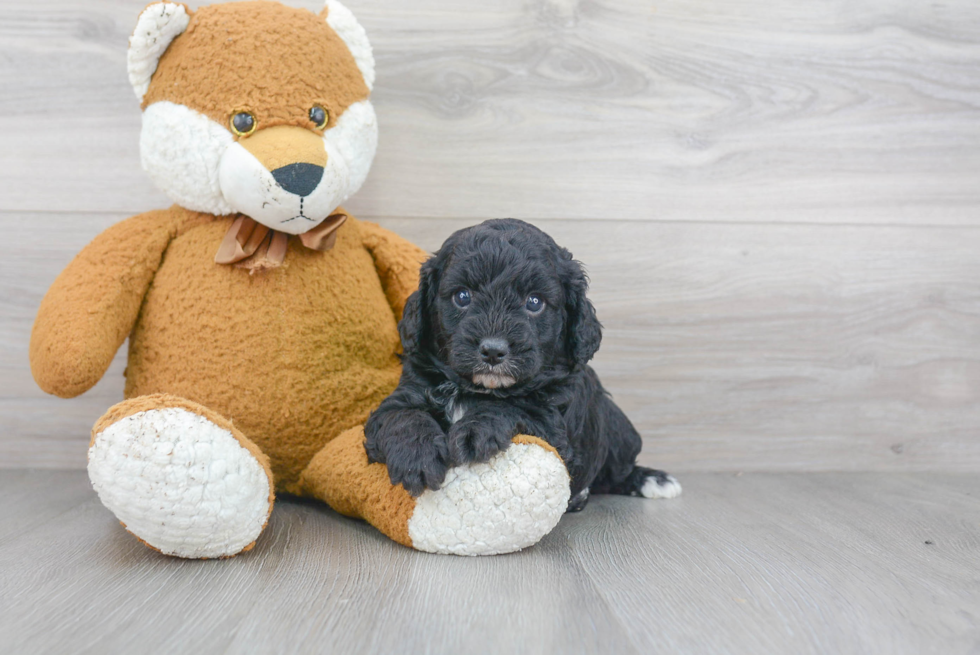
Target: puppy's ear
x,y
410,327
414,328
583,332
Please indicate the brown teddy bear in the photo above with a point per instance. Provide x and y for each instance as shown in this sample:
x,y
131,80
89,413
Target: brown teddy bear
x,y
261,317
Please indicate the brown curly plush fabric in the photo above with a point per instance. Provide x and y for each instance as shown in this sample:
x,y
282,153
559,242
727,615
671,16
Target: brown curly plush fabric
x,y
293,356
222,64
341,476
85,317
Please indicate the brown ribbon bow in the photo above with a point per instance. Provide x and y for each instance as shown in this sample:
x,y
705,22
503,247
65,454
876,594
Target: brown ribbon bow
x,y
255,247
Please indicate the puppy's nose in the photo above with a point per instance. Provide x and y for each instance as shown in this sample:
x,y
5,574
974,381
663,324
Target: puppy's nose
x,y
493,351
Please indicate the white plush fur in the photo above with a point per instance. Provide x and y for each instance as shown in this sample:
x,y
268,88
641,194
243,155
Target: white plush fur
x,y
355,139
198,163
249,188
158,25
502,506
343,22
180,483
181,150
653,489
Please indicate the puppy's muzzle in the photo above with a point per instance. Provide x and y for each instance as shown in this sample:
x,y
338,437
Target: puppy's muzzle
x,y
493,351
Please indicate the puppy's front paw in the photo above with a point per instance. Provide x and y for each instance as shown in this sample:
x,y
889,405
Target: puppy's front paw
x,y
420,465
477,440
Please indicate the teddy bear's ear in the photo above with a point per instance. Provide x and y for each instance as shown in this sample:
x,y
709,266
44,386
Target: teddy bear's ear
x,y
342,21
158,26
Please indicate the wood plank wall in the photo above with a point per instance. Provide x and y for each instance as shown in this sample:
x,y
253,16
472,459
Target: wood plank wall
x,y
779,203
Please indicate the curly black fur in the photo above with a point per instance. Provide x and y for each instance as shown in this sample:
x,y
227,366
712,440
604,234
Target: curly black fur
x,y
461,401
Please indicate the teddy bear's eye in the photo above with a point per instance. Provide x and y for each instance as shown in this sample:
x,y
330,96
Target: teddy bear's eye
x,y
319,116
242,123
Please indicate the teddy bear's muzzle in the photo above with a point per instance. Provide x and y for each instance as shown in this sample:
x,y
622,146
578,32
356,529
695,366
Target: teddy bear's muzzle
x,y
283,145
288,178
301,179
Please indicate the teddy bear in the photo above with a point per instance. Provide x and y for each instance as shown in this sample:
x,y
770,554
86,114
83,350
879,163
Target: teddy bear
x,y
261,317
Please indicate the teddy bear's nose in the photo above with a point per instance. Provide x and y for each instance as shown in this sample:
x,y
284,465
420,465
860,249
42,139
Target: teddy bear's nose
x,y
300,179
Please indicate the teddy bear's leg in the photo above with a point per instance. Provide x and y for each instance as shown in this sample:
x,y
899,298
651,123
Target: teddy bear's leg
x,y
501,506
180,477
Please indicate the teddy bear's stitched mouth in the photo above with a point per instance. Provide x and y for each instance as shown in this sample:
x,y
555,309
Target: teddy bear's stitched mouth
x,y
300,215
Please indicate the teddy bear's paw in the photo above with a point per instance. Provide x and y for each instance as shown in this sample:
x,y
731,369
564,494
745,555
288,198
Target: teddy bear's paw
x,y
180,483
501,506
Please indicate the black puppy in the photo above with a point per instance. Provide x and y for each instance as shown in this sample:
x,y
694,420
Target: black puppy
x,y
496,342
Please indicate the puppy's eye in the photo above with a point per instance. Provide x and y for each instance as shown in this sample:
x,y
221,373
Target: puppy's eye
x,y
242,123
462,298
319,116
534,304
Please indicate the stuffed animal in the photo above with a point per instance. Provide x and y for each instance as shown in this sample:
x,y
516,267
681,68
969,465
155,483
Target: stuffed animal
x,y
261,317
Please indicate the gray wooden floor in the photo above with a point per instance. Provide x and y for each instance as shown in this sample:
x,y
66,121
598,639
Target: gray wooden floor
x,y
752,563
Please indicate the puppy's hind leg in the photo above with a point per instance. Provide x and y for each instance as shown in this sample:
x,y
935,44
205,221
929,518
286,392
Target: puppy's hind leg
x,y
578,501
642,481
620,474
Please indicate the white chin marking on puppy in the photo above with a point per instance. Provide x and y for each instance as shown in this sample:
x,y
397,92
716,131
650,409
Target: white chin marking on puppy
x,y
493,380
180,483
499,506
670,488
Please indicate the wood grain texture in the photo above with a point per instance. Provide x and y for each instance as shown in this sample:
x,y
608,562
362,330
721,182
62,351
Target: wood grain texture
x,y
716,110
731,347
804,347
766,563
778,204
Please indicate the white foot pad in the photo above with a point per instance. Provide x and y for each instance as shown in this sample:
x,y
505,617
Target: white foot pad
x,y
180,483
502,506
666,487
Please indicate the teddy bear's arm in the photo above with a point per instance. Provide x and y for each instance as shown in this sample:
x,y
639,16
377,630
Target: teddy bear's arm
x,y
397,262
92,305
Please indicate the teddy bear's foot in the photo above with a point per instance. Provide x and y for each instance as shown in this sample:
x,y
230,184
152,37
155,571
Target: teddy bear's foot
x,y
500,506
180,478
